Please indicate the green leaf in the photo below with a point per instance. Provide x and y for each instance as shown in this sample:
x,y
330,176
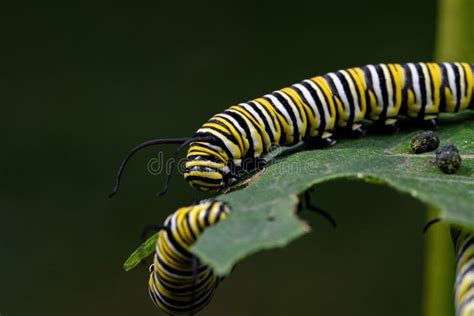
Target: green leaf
x,y
145,249
263,214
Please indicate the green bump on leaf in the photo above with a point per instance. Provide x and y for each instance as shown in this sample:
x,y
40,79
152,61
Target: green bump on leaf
x,y
145,249
263,214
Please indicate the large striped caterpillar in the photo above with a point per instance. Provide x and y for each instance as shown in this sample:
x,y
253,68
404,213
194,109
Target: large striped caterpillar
x,y
233,142
464,284
178,283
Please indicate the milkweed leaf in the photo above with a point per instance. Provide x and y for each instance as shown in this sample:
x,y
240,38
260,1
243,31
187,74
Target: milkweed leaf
x,y
263,213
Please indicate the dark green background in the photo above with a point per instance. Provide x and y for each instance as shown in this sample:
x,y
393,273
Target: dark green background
x,y
80,86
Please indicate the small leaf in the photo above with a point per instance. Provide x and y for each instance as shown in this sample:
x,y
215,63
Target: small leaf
x,y
145,249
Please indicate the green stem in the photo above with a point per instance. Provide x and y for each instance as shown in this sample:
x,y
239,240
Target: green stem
x,y
455,38
455,42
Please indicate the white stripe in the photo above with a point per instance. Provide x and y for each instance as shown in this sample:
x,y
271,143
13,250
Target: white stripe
x,y
416,85
352,88
282,109
341,93
311,104
376,86
258,118
463,84
267,118
452,83
235,154
429,93
294,109
327,111
253,133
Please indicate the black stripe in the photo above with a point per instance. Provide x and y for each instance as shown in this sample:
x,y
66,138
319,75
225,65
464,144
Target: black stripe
x,y
394,88
257,127
188,223
186,289
295,106
243,124
216,142
258,109
207,212
204,158
333,111
466,301
467,243
279,117
369,87
408,85
292,115
228,134
444,84
276,120
457,77
197,304
178,247
307,108
467,268
431,84
205,180
422,84
383,88
335,95
356,87
319,107
348,92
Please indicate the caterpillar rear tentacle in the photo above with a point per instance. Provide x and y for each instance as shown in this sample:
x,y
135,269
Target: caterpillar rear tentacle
x,y
316,109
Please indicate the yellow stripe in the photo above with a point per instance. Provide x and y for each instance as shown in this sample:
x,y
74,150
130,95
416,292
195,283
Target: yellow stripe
x,y
257,124
237,134
435,72
469,79
296,100
265,143
273,114
324,87
283,124
359,81
209,152
399,75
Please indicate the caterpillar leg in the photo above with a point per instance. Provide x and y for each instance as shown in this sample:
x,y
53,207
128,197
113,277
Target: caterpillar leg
x,y
238,174
354,131
431,124
318,142
306,203
387,129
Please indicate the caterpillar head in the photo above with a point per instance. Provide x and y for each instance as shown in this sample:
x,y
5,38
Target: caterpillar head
x,y
206,167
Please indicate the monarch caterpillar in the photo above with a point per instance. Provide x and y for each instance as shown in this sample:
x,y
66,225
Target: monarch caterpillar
x,y
178,283
310,111
464,284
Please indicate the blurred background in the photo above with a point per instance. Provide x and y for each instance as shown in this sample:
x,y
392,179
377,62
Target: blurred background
x,y
81,85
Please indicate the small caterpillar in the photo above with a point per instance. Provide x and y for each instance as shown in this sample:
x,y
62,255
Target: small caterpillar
x,y
178,283
233,142
464,284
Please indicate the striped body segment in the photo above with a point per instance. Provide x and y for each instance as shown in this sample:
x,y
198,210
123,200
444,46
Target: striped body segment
x,y
464,284
312,109
178,283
